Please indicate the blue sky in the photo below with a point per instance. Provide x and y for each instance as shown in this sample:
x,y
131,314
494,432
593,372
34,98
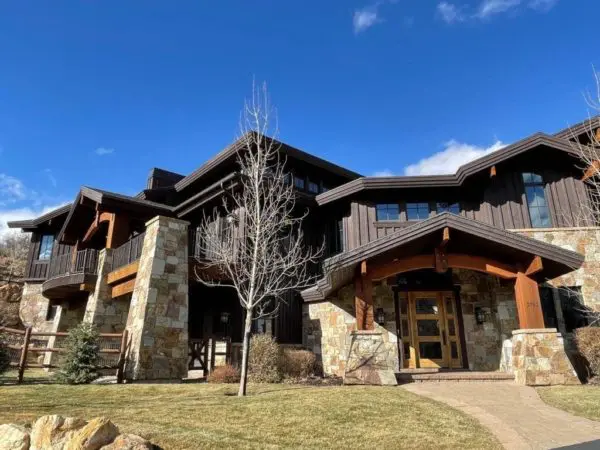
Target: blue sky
x,y
97,93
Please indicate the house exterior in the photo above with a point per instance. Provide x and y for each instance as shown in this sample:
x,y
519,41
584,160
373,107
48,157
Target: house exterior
x,y
483,269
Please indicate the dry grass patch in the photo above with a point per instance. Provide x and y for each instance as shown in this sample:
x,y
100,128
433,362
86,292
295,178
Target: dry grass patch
x,y
191,416
579,400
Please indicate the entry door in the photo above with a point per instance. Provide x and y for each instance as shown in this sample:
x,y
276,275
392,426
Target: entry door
x,y
428,330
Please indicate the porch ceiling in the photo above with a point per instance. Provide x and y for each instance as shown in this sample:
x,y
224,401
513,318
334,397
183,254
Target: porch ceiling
x,y
467,237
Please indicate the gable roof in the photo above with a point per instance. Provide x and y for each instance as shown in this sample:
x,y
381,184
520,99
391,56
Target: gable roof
x,y
32,224
452,180
340,269
286,149
580,128
108,198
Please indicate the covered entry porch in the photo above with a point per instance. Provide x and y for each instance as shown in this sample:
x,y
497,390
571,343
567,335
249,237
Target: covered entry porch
x,y
448,293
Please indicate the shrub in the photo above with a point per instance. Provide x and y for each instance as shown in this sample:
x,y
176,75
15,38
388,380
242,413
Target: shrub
x,y
81,359
296,363
224,374
263,359
587,341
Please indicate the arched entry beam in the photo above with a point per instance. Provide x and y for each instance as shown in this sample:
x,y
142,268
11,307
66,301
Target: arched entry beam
x,y
458,261
117,232
526,288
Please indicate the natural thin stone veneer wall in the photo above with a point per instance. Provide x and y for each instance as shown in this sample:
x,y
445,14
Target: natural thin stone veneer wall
x,y
34,308
488,345
158,315
328,328
584,240
107,314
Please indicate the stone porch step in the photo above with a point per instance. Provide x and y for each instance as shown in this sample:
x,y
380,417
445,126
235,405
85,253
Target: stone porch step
x,y
437,375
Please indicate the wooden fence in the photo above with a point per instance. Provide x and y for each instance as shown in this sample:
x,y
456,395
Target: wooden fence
x,y
205,351
22,343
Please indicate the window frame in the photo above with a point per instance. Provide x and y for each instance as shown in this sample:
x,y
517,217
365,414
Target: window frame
x,y
386,207
312,183
299,179
44,247
535,182
419,206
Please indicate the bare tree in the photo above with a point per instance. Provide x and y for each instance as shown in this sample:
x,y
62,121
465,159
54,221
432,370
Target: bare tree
x,y
261,252
587,150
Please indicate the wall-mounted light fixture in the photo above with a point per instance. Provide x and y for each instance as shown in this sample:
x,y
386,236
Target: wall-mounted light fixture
x,y
479,315
380,316
225,317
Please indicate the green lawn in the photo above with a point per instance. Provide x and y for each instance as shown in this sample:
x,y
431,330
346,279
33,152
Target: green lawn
x,y
579,400
190,416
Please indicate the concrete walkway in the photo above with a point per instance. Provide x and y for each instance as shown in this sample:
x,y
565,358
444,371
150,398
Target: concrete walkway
x,y
515,414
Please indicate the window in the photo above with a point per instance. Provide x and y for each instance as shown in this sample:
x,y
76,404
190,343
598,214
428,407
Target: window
x,y
313,187
417,211
324,188
388,211
453,208
536,201
51,312
574,312
299,183
46,247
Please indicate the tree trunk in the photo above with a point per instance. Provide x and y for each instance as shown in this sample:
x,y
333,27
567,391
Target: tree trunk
x,y
245,353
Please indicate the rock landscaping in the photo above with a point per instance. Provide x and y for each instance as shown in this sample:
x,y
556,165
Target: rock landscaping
x,y
69,433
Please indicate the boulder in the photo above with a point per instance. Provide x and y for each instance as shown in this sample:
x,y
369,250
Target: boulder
x,y
14,437
128,442
97,433
52,432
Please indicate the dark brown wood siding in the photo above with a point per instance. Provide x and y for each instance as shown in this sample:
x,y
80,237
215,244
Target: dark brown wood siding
x,y
499,201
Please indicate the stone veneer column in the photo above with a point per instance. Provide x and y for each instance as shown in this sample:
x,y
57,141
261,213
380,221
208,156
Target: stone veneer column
x,y
370,360
540,359
33,308
102,310
158,315
68,315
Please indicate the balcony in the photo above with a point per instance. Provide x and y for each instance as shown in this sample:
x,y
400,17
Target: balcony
x,y
125,265
71,273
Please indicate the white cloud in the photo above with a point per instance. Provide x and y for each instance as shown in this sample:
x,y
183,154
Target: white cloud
x,y
364,19
542,5
454,155
26,213
490,7
450,13
384,173
11,189
101,151
51,177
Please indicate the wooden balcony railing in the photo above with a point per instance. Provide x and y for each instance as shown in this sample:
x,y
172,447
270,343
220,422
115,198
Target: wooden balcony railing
x,y
129,252
85,261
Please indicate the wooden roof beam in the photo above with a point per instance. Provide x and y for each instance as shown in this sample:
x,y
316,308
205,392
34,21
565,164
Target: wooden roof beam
x,y
535,266
592,170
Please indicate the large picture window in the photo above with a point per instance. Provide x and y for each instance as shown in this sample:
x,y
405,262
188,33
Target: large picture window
x,y
536,200
388,211
417,211
46,247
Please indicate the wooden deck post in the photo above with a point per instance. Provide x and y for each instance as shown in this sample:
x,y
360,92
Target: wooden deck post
x,y
122,352
529,306
23,358
363,302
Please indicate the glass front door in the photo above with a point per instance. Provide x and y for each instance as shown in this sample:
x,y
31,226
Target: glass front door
x,y
428,330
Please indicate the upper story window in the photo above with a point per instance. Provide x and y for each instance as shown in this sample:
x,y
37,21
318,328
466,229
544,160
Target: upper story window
x,y
46,247
324,188
536,201
299,183
453,208
313,187
388,211
417,211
